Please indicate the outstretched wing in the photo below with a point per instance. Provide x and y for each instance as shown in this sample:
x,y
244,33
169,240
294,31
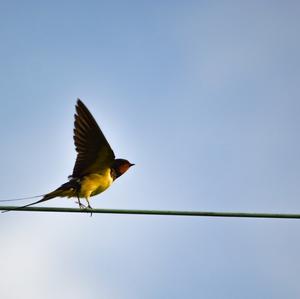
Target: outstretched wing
x,y
94,152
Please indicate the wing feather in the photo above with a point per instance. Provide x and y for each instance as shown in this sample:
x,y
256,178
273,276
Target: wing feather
x,y
94,153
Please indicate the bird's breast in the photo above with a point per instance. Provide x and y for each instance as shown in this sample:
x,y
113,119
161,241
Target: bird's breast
x,y
93,184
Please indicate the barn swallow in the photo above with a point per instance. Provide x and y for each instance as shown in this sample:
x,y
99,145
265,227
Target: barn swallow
x,y
95,168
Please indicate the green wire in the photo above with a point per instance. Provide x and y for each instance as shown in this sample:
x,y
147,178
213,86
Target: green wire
x,y
154,212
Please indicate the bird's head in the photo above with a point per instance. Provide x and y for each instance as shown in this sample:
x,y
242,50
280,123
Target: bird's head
x,y
120,166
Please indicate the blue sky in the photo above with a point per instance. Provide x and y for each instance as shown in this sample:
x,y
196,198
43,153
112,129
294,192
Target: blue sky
x,y
203,96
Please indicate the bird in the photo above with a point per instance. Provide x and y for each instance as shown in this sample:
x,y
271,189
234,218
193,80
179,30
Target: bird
x,y
96,167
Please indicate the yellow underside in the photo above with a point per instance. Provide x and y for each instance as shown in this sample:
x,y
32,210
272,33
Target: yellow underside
x,y
94,184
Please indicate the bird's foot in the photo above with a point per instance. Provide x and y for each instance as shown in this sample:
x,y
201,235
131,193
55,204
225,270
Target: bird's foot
x,y
90,208
81,205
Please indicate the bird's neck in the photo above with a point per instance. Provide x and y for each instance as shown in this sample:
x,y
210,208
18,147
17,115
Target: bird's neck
x,y
113,173
116,171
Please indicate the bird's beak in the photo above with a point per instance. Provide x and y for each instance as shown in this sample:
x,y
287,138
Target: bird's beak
x,y
131,164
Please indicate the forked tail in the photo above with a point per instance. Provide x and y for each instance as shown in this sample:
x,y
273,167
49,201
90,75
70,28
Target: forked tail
x,y
66,190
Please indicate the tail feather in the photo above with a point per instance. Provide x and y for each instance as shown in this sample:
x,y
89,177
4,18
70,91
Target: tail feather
x,y
21,198
28,205
62,191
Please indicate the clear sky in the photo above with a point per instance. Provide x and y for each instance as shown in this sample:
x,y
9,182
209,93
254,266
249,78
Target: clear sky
x,y
203,96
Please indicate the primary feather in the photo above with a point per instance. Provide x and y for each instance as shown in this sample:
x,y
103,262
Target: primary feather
x,y
94,152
